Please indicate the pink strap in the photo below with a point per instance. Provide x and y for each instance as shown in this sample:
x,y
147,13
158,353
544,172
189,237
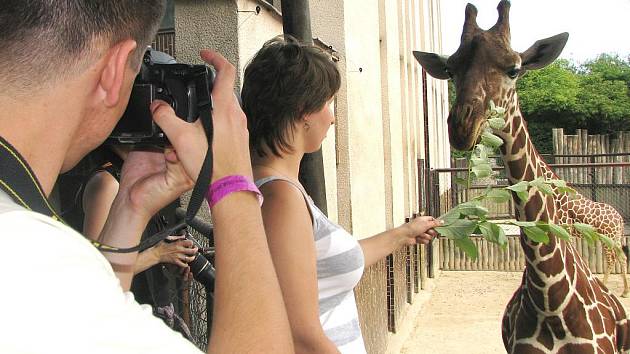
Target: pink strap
x,y
230,184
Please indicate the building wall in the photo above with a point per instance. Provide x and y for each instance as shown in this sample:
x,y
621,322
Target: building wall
x,y
370,157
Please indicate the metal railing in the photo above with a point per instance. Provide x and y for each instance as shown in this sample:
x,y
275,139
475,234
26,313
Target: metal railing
x,y
606,182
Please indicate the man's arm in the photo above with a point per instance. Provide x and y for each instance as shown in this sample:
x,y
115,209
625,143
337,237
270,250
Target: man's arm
x,y
249,313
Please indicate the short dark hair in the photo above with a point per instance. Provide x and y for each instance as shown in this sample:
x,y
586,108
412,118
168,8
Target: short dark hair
x,y
43,40
285,81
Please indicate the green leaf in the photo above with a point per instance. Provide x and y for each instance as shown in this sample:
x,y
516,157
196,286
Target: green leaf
x,y
558,182
542,186
450,216
521,186
545,189
496,123
536,234
468,247
492,106
567,190
476,161
607,241
588,232
559,231
499,195
493,233
482,151
472,208
482,170
458,229
491,140
523,196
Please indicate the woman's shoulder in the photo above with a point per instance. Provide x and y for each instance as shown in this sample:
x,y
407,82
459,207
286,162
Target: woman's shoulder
x,y
101,179
281,191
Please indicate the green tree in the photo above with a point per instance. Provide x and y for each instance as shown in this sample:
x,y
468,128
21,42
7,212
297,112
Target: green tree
x,y
548,99
610,67
549,92
604,96
594,95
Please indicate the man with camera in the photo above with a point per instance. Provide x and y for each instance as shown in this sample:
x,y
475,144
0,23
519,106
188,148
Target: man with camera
x,y
66,76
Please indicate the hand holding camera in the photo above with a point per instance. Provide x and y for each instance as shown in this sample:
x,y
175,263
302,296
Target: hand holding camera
x,y
229,122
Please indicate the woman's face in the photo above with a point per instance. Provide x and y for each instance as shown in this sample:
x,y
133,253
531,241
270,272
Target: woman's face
x,y
318,125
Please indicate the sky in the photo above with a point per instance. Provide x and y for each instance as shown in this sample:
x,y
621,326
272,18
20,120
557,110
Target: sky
x,y
594,27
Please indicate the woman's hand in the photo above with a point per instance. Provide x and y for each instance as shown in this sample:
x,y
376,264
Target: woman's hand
x,y
420,230
179,252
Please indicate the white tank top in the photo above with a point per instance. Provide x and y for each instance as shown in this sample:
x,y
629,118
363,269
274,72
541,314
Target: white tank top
x,y
340,266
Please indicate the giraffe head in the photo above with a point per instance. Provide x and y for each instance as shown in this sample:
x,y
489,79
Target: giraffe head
x,y
485,68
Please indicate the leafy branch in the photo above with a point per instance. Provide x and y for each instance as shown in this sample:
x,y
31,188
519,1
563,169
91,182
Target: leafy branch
x,y
471,217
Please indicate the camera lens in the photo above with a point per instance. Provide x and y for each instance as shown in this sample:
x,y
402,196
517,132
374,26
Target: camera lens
x,y
203,271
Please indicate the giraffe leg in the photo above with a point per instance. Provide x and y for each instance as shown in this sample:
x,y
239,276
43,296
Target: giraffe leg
x,y
607,267
624,271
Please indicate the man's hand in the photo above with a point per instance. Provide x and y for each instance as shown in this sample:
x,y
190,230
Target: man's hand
x,y
230,145
150,180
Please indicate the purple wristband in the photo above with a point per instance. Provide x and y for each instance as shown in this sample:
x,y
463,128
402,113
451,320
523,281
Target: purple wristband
x,y
230,184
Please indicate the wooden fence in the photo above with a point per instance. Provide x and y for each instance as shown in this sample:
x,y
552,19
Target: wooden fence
x,y
587,148
494,258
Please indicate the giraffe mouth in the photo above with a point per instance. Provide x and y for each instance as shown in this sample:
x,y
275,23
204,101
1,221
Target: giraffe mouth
x,y
464,137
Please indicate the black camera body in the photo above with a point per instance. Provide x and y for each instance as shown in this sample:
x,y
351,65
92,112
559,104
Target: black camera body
x,y
185,87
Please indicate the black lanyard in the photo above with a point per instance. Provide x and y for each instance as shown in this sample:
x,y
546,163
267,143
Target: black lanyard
x,y
20,183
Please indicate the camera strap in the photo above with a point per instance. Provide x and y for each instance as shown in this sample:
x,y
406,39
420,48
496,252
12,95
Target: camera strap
x,y
19,182
196,198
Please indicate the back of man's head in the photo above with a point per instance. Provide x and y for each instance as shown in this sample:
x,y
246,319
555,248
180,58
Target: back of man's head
x,y
43,41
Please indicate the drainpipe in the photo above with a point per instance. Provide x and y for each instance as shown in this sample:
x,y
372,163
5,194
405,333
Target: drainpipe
x,y
296,21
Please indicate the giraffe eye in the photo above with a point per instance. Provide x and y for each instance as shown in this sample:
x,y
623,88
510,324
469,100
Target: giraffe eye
x,y
513,73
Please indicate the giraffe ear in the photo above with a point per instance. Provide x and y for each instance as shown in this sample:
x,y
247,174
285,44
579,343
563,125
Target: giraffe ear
x,y
543,52
434,64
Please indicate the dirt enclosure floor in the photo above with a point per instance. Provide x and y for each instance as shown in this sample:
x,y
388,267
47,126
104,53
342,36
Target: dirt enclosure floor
x,y
464,313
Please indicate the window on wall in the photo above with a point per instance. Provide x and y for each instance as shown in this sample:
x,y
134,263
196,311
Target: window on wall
x,y
168,21
165,39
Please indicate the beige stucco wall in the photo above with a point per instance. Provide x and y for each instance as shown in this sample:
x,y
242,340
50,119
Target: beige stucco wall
x,y
365,129
205,24
327,24
254,29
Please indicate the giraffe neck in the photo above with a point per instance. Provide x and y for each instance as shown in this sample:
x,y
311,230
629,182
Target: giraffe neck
x,y
549,270
522,161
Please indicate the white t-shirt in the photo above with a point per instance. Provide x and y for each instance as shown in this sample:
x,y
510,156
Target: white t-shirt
x,y
60,295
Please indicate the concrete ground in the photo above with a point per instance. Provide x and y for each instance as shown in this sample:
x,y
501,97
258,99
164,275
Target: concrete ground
x,y
463,314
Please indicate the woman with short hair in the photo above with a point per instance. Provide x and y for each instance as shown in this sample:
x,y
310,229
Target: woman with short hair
x,y
287,94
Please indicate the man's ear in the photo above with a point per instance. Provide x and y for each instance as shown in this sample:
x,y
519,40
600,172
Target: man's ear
x,y
434,64
543,52
116,66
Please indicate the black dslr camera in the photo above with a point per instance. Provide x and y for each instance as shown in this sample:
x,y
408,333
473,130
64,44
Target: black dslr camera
x,y
185,87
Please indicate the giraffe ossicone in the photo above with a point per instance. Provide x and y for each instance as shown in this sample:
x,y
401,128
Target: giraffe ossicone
x,y
560,306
